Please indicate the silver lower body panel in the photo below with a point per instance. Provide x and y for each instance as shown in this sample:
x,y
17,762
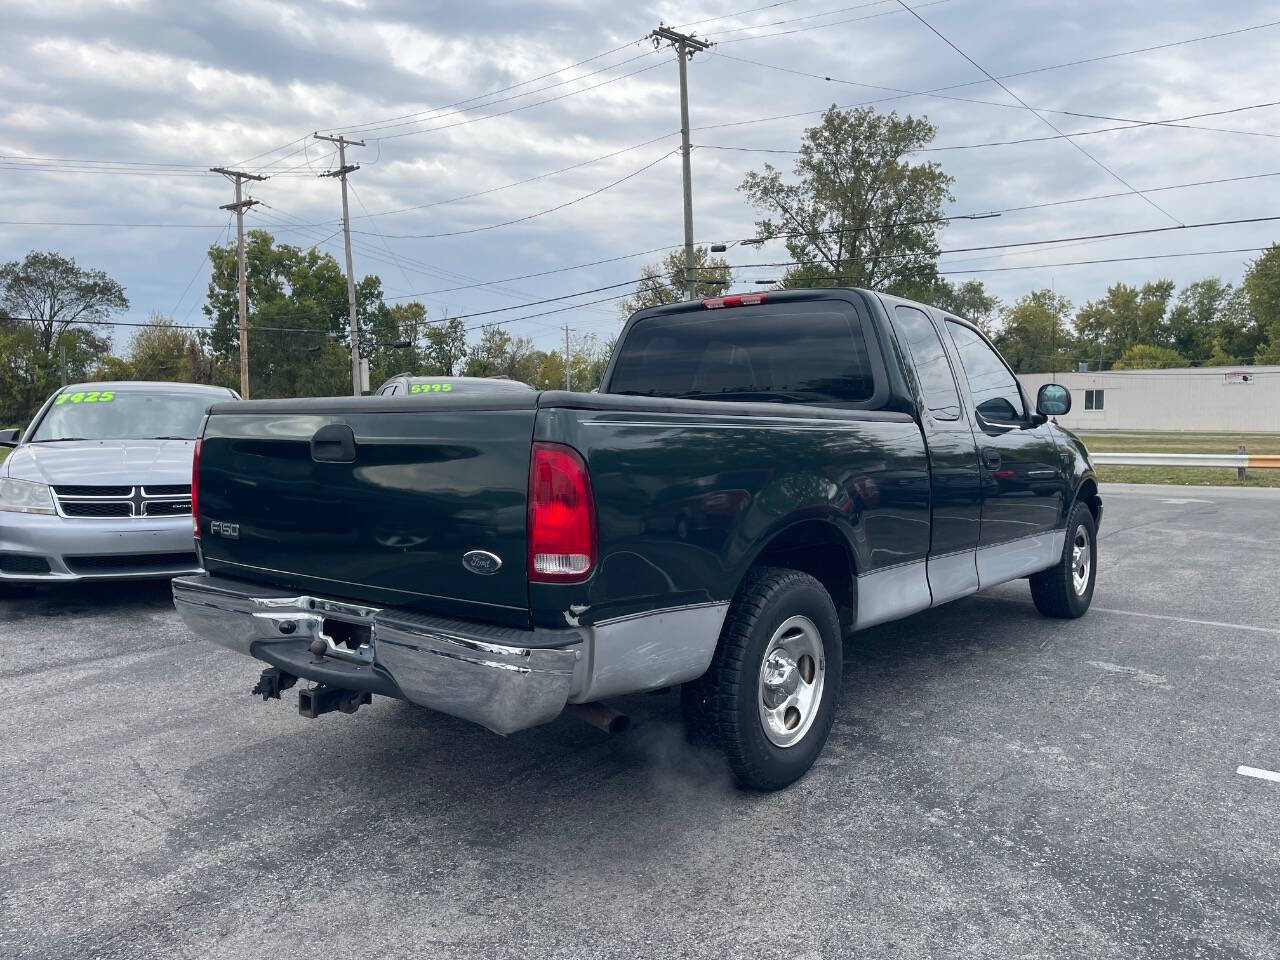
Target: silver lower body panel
x,y
502,678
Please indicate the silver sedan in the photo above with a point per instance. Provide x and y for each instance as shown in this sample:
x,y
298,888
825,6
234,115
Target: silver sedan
x,y
99,485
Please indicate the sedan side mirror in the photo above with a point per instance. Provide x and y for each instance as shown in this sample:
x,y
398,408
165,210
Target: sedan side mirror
x,y
9,438
1053,400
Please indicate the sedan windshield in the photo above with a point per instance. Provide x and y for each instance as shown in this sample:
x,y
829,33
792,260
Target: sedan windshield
x,y
123,415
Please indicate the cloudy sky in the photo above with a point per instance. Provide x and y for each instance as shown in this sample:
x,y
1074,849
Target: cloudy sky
x,y
126,104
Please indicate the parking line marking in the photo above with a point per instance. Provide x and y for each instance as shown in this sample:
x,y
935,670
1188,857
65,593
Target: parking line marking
x,y
1152,616
1260,774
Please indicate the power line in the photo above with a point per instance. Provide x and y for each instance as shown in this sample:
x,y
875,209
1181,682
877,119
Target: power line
x,y
812,16
1006,76
376,128
1023,243
1081,263
530,216
526,106
1043,119
830,23
426,114
1127,124
641,280
1009,106
520,183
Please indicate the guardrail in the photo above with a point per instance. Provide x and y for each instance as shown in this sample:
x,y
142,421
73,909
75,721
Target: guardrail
x,y
1241,461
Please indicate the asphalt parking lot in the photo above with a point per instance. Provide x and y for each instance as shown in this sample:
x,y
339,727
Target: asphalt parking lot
x,y
996,785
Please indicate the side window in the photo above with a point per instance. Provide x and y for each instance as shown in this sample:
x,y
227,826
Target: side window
x,y
391,390
931,363
995,390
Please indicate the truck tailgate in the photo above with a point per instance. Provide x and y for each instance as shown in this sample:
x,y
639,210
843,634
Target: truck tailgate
x,y
387,520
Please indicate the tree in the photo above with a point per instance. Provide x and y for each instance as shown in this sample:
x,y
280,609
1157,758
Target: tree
x,y
1262,288
1124,317
298,324
969,300
159,351
52,305
1196,323
858,214
446,347
1034,336
1148,356
393,339
663,282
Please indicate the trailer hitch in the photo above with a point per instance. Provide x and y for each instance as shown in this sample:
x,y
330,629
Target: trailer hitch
x,y
272,681
326,699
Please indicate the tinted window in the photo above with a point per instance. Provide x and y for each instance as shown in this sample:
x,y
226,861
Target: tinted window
x,y
932,366
123,415
809,352
995,391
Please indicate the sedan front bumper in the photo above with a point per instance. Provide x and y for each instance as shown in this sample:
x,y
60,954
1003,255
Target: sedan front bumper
x,y
502,678
38,548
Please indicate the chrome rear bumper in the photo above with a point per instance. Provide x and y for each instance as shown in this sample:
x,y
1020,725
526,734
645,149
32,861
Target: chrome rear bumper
x,y
505,679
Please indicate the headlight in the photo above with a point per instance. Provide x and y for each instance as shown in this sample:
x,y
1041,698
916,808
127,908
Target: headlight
x,y
23,496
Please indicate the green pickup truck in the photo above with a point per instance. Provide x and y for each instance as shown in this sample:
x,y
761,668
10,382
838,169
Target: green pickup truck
x,y
756,477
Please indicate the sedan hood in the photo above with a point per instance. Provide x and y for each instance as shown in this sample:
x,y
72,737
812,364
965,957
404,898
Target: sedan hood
x,y
103,462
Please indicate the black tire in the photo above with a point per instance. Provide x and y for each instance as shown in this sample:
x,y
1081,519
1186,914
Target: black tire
x,y
1054,590
724,705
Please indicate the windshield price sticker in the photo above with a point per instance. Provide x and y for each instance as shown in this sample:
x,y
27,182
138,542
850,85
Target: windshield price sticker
x,y
431,388
92,396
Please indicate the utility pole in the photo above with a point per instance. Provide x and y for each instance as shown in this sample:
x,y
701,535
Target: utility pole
x,y
685,46
567,382
341,173
240,206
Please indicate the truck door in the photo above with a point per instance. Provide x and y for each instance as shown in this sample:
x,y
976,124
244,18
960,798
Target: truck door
x,y
1022,478
955,479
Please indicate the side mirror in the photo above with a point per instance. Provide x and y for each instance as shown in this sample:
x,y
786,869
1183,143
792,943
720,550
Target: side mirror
x,y
1053,400
9,438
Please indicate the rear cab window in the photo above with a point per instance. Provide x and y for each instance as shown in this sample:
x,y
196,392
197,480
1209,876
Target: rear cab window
x,y
820,352
932,367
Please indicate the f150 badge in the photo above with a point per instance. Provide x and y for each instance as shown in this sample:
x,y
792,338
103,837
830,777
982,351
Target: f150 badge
x,y
482,562
221,528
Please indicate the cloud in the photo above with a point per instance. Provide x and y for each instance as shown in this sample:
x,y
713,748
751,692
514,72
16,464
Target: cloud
x,y
195,85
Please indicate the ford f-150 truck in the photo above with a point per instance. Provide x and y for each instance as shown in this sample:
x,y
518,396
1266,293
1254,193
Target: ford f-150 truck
x,y
757,476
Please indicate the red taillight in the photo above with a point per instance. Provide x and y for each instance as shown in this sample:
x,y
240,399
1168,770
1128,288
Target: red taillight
x,y
195,485
562,520
738,300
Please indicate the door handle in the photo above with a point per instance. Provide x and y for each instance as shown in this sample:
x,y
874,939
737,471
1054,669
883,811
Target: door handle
x,y
991,458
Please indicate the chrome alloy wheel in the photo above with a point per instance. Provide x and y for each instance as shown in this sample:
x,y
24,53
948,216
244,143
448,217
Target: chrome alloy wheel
x,y
792,675
1081,561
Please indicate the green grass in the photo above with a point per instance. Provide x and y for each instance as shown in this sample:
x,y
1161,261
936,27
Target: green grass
x,y
1152,442
1123,441
1188,476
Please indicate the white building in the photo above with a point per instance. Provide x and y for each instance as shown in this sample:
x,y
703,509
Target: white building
x,y
1245,399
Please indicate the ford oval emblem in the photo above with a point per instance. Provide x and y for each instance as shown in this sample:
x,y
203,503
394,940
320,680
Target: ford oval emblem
x,y
482,562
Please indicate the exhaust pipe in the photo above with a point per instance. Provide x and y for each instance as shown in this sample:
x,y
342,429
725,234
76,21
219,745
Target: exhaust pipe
x,y
600,716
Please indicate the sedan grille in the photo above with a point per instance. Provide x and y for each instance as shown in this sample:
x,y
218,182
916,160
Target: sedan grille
x,y
83,491
160,500
97,508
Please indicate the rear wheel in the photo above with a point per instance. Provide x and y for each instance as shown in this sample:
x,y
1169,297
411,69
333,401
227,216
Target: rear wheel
x,y
1065,590
769,697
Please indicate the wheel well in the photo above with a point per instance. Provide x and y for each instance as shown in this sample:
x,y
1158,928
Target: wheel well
x,y
820,550
1088,493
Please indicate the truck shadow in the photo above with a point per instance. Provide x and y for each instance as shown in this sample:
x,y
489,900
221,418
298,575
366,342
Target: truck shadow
x,y
106,597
